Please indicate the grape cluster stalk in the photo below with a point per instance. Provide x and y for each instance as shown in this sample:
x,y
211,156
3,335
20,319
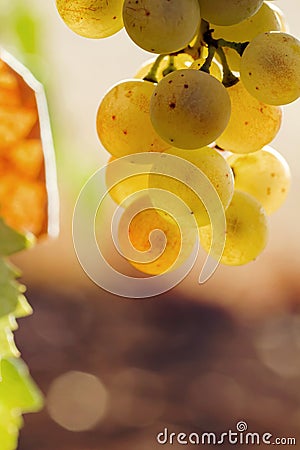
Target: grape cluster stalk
x,y
212,96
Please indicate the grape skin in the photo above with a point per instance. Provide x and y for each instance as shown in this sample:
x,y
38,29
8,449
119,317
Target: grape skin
x,y
189,109
264,174
265,19
211,163
161,26
252,123
214,69
123,121
270,68
228,12
92,19
139,231
120,187
246,232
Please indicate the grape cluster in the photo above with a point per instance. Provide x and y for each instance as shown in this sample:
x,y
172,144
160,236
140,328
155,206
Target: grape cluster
x,y
211,97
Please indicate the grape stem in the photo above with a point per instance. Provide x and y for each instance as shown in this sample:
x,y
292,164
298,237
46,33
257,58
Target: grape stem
x,y
229,79
152,75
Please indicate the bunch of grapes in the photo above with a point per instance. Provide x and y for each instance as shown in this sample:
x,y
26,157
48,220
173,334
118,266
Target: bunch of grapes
x,y
212,97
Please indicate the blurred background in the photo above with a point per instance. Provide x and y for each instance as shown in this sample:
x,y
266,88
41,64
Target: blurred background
x,y
115,372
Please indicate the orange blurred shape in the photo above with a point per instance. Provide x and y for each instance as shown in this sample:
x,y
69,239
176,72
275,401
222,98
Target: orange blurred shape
x,y
28,190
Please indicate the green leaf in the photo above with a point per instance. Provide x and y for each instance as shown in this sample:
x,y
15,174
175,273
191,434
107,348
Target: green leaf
x,y
11,241
18,392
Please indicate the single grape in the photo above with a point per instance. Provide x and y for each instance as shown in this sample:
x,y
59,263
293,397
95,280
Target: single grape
x,y
264,174
166,249
93,19
181,61
265,19
252,123
161,26
189,109
270,68
228,12
207,160
215,69
246,232
120,187
123,122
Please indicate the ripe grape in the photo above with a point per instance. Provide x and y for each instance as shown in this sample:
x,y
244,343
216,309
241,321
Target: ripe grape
x,y
214,167
161,252
264,174
93,19
228,12
120,187
189,109
123,122
161,26
246,231
270,68
265,19
252,123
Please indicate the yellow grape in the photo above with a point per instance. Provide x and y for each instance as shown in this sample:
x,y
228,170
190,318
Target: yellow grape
x,y
215,69
161,26
246,231
170,249
228,12
123,122
211,163
181,61
126,186
189,109
270,68
93,19
252,123
264,174
265,19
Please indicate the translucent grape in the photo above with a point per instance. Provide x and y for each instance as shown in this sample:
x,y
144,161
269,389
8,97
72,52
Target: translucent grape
x,y
265,19
92,18
264,174
126,186
228,12
161,26
270,68
246,233
181,61
168,246
215,69
189,109
252,123
212,164
123,121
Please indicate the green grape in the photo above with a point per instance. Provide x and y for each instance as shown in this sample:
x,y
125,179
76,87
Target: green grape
x,y
189,108
270,68
265,19
162,255
121,190
211,163
123,121
246,232
161,26
228,12
264,174
93,19
281,18
181,61
215,69
252,123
